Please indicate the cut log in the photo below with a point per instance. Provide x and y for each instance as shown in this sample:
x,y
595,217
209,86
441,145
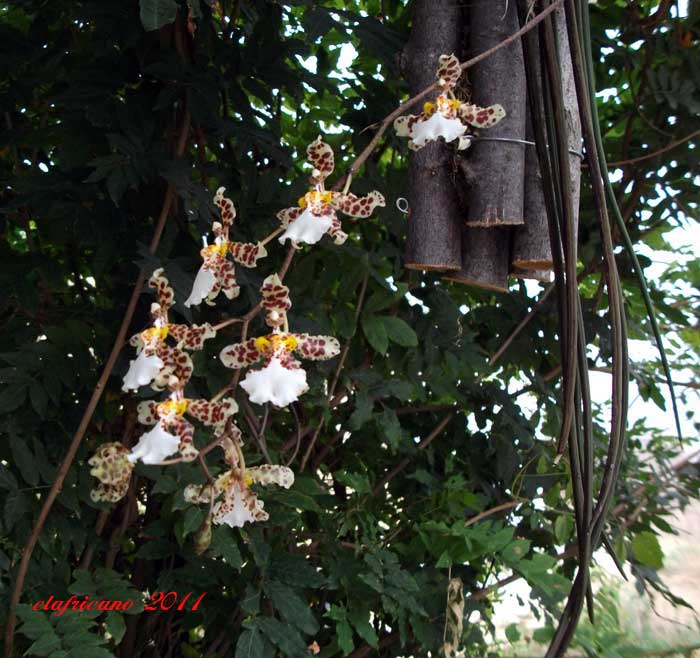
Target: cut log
x,y
484,259
532,249
543,276
435,217
497,194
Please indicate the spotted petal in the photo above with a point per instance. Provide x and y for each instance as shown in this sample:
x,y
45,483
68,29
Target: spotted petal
x,y
240,355
321,157
239,507
247,253
317,348
481,117
271,474
225,205
160,283
449,71
275,300
191,337
357,206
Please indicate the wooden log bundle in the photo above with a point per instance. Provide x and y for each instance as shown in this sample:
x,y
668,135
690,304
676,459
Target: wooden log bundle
x,y
481,217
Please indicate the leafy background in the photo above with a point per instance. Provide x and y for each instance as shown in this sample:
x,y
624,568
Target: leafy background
x,y
91,102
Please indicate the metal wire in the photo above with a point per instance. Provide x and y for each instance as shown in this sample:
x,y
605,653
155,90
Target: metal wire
x,y
514,140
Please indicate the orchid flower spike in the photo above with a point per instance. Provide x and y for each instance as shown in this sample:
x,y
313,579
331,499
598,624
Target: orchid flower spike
x,y
315,214
112,467
448,117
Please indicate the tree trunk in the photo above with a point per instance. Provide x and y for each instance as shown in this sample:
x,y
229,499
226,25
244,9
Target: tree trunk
x,y
497,192
434,221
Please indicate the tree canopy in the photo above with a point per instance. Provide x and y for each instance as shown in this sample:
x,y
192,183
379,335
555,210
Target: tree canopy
x,y
422,452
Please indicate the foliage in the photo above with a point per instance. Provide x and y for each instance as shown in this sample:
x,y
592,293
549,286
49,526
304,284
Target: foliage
x,y
350,557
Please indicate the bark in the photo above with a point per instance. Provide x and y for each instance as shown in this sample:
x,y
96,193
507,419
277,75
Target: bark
x,y
435,214
484,258
573,120
497,190
543,276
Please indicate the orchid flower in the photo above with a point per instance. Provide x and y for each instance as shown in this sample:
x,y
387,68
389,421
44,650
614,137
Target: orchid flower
x,y
217,272
281,380
156,361
111,466
447,117
315,214
236,503
173,431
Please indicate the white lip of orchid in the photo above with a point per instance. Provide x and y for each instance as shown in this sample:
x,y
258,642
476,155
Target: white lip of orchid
x,y
240,514
142,370
307,228
437,126
202,286
275,383
154,446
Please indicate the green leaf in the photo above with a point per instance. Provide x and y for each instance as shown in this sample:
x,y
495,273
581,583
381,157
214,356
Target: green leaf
x,y
250,644
115,626
647,550
283,636
156,13
399,332
291,607
343,632
24,460
12,397
375,332
512,633
7,480
360,620
225,545
563,527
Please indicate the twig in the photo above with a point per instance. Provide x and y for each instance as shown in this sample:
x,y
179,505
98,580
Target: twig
x,y
336,376
405,462
648,156
92,404
494,510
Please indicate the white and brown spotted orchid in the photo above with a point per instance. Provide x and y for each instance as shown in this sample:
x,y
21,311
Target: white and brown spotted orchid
x,y
281,380
173,432
217,273
235,502
315,214
156,360
448,117
111,466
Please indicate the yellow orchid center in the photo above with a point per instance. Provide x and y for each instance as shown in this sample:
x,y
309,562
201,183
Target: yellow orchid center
x,y
155,332
429,108
216,249
248,480
315,197
445,104
274,342
178,407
